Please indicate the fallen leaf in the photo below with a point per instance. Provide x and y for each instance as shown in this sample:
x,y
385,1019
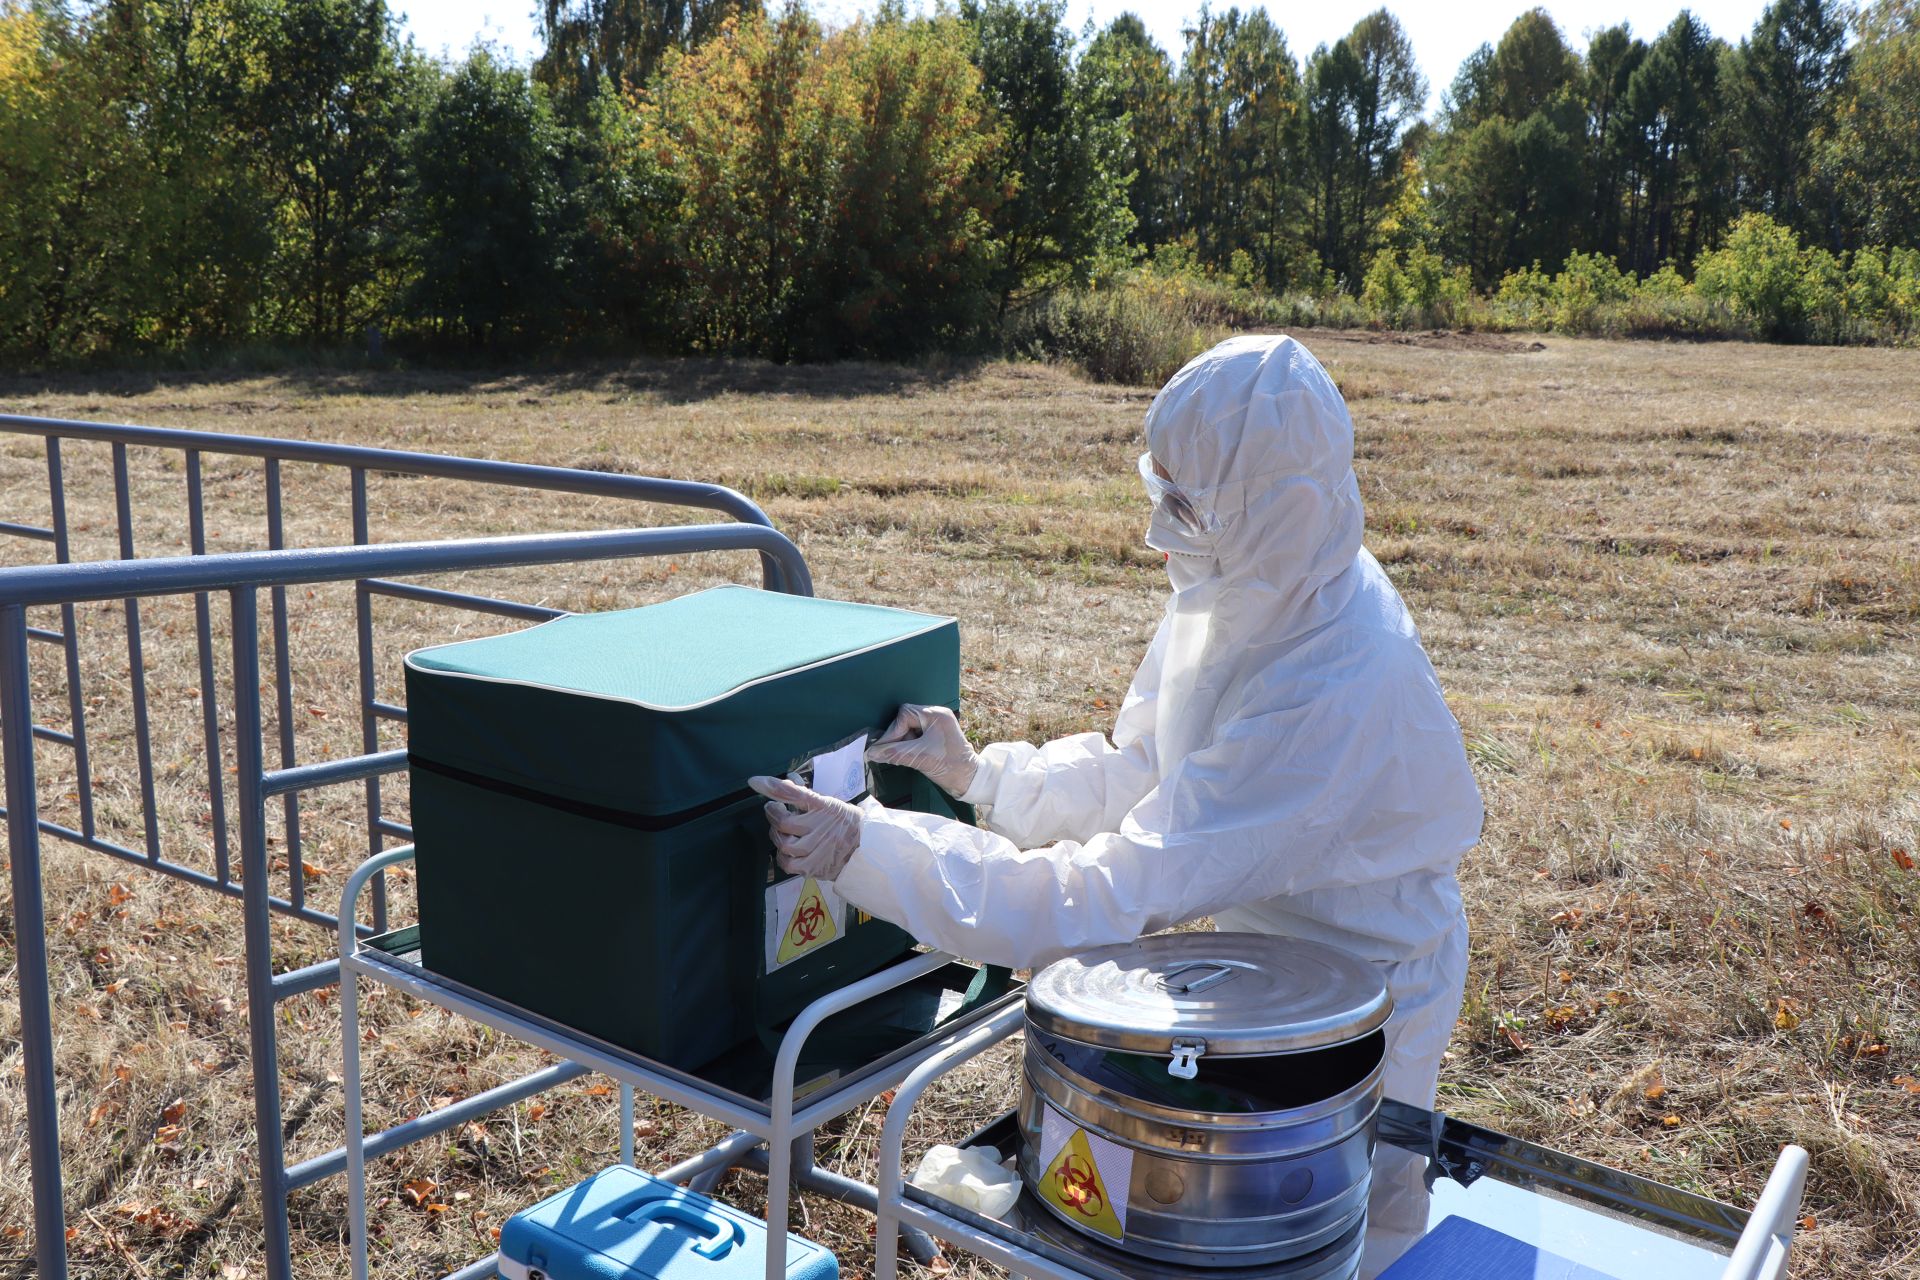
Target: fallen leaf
x,y
1655,1092
118,894
233,1271
1807,1223
1786,1015
416,1192
1670,1121
599,1090
100,1112
1902,859
1514,1039
174,1112
535,1111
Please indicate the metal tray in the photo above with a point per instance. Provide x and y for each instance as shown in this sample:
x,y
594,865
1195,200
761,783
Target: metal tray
x,y
745,1075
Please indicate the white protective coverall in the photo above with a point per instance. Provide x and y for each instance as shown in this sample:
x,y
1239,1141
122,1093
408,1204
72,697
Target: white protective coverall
x,y
1284,761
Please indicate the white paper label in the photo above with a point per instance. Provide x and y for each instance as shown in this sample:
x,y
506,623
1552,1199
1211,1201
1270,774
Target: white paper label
x,y
842,774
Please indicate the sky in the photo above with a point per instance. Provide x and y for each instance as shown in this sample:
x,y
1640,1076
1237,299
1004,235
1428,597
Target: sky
x,y
1443,34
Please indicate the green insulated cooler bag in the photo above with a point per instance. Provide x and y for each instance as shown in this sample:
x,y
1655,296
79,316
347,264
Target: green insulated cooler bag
x,y
587,847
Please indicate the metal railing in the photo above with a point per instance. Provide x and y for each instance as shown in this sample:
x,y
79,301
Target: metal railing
x,y
374,570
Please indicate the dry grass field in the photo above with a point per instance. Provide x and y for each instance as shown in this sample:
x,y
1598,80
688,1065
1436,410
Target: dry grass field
x,y
1673,593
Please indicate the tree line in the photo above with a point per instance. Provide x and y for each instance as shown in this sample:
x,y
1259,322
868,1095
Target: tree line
x,y
200,175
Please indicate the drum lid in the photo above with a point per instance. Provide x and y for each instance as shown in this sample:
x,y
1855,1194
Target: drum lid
x,y
1218,994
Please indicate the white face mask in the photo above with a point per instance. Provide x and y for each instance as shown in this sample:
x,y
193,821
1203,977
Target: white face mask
x,y
1181,525
1165,533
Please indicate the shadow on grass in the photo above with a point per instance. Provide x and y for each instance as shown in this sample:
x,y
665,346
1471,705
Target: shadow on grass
x,y
670,380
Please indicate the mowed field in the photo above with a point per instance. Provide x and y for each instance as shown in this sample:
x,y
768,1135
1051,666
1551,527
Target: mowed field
x,y
1672,591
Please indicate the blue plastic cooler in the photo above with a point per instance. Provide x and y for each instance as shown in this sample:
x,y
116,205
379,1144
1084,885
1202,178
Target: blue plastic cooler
x,y
622,1224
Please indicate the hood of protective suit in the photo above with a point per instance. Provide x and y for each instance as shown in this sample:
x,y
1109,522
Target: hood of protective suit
x,y
1284,758
1257,436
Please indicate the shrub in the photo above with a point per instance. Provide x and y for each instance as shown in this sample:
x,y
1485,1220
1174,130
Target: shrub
x,y
1758,275
1132,331
1384,291
1587,285
1524,299
1883,291
1416,288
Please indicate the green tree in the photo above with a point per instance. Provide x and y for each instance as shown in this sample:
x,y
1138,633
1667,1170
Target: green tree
x,y
1239,146
620,41
1669,126
1362,95
1532,67
130,216
335,91
620,214
1874,157
1130,81
487,211
1784,82
1613,55
1062,160
1506,168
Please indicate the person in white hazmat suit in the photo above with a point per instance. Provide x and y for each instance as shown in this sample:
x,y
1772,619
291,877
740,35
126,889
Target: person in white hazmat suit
x,y
1283,762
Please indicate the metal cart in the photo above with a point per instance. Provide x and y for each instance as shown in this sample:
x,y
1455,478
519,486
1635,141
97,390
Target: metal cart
x,y
772,1133
1630,1226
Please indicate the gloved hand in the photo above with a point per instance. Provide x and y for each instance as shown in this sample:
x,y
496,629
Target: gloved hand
x,y
929,739
816,840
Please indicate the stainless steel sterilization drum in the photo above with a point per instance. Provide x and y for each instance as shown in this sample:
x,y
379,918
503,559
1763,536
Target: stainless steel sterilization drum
x,y
1205,1098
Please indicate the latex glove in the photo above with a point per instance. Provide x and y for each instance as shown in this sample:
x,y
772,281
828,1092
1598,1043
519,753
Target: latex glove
x,y
929,739
968,1178
813,835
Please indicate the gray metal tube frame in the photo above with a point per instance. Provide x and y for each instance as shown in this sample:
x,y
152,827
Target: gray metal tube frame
x,y
242,576
1761,1251
778,1128
893,1209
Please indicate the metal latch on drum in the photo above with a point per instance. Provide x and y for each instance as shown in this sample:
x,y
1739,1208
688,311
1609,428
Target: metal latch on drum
x,y
1186,1058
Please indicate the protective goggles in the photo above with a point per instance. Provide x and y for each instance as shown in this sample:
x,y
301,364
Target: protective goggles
x,y
1180,505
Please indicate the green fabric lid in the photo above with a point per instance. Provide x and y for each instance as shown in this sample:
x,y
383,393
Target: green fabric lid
x,y
679,654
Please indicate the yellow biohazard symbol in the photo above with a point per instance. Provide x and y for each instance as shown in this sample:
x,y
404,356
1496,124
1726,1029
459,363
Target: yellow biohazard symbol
x,y
1073,1184
811,924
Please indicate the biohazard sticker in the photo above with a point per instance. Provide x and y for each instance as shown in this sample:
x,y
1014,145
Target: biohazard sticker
x,y
1086,1176
803,915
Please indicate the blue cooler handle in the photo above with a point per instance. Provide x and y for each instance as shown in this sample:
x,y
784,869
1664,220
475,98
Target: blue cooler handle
x,y
726,1232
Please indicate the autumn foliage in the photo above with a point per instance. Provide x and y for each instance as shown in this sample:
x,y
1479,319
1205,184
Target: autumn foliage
x,y
834,195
